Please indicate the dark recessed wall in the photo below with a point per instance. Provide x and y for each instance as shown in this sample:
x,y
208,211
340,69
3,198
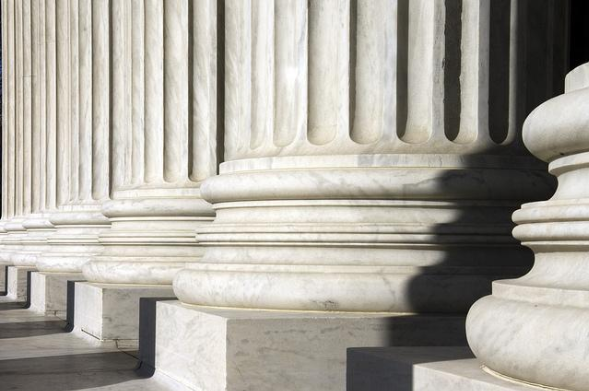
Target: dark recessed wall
x,y
579,35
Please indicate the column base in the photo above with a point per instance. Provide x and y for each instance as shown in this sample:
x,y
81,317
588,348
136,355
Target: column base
x,y
110,311
230,349
422,369
49,292
17,282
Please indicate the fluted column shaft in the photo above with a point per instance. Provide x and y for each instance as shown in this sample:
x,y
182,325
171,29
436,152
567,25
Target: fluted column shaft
x,y
21,137
83,129
7,127
372,163
38,228
164,126
535,329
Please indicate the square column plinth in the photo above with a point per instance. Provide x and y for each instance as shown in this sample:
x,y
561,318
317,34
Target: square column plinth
x,y
49,292
232,350
422,369
17,282
111,311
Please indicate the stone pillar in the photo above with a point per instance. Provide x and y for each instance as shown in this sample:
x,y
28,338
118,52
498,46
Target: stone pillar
x,y
15,230
82,166
164,126
7,166
373,159
20,245
82,129
535,329
37,224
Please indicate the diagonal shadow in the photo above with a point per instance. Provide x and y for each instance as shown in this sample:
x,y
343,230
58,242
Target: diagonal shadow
x,y
13,305
67,373
30,329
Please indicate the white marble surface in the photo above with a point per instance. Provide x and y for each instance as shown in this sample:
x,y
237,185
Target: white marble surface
x,y
369,167
49,292
164,137
227,349
110,311
17,282
536,328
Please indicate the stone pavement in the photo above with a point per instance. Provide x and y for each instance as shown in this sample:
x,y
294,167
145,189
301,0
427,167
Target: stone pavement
x,y
37,354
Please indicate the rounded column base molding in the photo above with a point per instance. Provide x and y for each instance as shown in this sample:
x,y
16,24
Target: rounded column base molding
x,y
536,328
38,222
334,288
384,233
531,342
135,270
14,251
151,239
34,243
75,240
67,258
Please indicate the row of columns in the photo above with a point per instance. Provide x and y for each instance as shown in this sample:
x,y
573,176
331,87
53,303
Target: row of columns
x,y
373,151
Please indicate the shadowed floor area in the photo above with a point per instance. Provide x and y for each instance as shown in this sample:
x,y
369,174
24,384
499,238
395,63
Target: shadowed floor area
x,y
37,354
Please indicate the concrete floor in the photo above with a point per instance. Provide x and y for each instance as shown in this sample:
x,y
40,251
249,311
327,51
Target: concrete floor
x,y
36,354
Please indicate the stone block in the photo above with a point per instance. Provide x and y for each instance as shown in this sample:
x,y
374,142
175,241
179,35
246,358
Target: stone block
x,y
17,282
110,311
49,292
229,349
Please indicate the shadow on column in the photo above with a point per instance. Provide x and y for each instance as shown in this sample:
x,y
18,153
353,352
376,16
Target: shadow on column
x,y
472,260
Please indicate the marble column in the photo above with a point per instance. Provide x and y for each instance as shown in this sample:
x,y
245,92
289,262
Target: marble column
x,y
164,127
82,133
535,329
37,224
15,230
25,231
7,137
373,159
